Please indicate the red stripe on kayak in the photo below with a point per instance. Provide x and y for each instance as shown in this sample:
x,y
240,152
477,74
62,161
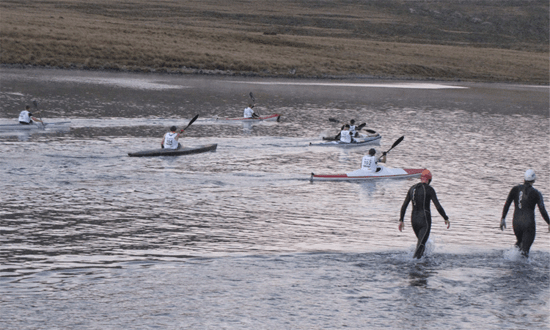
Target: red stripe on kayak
x,y
413,170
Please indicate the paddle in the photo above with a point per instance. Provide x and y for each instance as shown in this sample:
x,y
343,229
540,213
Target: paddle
x,y
395,144
254,103
190,122
36,106
368,130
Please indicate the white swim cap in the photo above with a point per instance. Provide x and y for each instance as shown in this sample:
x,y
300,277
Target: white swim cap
x,y
530,175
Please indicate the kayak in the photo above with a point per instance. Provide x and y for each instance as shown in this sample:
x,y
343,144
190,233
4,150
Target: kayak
x,y
361,174
174,152
361,137
366,141
12,127
274,117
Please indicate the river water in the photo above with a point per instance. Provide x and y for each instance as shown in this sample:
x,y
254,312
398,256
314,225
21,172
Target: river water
x,y
239,238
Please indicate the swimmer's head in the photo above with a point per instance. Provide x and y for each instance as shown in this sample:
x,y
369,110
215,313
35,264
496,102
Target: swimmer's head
x,y
530,176
372,152
426,176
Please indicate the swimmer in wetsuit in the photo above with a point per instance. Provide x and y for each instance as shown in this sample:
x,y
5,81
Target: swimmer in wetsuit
x,y
421,194
525,198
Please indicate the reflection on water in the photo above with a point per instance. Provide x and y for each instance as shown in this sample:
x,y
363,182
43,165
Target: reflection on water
x,y
239,238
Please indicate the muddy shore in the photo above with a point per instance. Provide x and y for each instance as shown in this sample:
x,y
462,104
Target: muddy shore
x,y
490,41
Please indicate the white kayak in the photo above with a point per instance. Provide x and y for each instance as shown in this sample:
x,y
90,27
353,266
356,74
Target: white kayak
x,y
33,126
367,140
273,117
363,174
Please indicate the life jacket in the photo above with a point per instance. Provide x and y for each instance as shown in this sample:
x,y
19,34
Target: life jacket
x,y
345,136
369,163
170,141
25,117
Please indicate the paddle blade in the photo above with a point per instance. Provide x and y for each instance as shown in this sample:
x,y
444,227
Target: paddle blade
x,y
35,103
192,121
370,131
396,143
252,97
361,126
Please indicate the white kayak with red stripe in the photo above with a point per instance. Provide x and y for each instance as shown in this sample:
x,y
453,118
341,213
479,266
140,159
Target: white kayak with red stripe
x,y
363,174
273,117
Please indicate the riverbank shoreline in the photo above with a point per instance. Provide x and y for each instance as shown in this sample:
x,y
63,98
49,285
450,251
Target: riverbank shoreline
x,y
480,41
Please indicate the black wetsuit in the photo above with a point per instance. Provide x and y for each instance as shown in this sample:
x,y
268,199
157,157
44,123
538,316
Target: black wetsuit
x,y
421,218
525,198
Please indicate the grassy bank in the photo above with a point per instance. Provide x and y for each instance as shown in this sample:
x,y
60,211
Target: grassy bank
x,y
477,40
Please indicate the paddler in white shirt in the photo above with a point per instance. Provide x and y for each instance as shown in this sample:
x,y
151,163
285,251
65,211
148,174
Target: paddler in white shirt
x,y
26,118
170,139
352,128
370,161
345,135
249,113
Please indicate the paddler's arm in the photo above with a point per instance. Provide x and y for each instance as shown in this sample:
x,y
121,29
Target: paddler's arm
x,y
382,158
162,142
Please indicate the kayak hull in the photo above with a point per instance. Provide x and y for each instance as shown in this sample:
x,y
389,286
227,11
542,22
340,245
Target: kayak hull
x,y
20,127
174,152
366,141
274,117
362,175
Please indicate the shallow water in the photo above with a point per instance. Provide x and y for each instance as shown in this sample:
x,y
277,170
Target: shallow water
x,y
239,238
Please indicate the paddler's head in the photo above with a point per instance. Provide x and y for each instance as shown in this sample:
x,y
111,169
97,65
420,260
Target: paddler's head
x,y
27,107
346,127
173,129
372,152
530,176
352,121
426,176
250,105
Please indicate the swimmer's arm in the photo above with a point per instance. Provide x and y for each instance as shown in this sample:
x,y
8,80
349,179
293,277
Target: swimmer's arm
x,y
439,207
508,202
404,209
543,211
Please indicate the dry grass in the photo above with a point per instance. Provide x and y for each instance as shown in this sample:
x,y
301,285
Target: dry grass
x,y
481,40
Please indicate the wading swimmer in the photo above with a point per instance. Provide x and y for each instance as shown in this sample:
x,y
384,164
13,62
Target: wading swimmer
x,y
421,219
26,118
525,199
249,113
370,161
170,139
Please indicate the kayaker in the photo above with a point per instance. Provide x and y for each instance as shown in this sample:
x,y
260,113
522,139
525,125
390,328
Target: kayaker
x,y
26,117
352,128
525,199
421,219
249,113
170,139
345,135
370,161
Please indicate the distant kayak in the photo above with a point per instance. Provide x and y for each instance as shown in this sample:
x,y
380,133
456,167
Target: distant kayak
x,y
274,117
359,175
366,141
13,127
174,152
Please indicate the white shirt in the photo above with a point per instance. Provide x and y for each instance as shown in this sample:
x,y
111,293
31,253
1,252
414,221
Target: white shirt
x,y
345,136
369,163
25,116
170,141
352,129
248,112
